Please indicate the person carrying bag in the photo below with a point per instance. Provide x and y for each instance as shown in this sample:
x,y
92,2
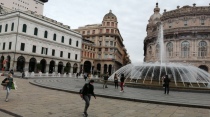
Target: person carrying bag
x,y
7,83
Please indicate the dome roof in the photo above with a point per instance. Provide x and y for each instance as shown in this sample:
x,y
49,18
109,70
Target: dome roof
x,y
110,16
156,16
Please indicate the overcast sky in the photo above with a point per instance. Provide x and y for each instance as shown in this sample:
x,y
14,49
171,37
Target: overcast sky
x,y
132,15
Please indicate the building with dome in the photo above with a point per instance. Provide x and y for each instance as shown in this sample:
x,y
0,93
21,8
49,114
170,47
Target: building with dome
x,y
186,35
110,52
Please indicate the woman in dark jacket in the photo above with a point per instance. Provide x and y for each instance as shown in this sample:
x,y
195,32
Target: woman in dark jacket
x,y
87,91
116,81
9,82
122,79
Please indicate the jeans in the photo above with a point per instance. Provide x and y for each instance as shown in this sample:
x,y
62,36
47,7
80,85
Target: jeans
x,y
121,85
87,102
116,84
8,91
105,84
167,89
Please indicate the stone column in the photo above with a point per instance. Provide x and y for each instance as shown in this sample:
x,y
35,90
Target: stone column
x,y
47,68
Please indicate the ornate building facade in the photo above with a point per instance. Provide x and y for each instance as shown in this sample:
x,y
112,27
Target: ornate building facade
x,y
186,35
36,6
33,42
111,53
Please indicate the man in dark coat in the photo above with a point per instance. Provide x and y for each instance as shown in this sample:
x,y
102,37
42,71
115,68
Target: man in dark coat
x,y
166,83
87,91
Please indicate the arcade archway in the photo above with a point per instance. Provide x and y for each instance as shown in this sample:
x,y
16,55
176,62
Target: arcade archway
x,y
20,63
8,62
110,69
75,68
52,66
43,65
1,62
32,64
105,68
87,67
60,67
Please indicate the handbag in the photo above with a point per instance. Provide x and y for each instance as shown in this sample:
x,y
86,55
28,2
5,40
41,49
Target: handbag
x,y
4,84
164,85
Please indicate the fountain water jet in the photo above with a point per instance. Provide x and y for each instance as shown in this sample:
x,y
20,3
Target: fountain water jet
x,y
151,73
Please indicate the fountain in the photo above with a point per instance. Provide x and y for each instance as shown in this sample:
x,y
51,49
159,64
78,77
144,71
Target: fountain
x,y
151,73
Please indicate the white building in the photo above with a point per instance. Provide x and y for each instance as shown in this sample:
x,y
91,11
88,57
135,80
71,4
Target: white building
x,y
27,39
35,6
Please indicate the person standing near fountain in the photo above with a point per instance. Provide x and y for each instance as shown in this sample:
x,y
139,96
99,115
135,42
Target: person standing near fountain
x,y
166,83
122,79
116,81
106,76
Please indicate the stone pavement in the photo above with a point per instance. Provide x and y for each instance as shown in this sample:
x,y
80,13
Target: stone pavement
x,y
33,101
135,94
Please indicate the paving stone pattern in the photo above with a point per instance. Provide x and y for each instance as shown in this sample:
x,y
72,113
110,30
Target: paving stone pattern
x,y
145,95
33,101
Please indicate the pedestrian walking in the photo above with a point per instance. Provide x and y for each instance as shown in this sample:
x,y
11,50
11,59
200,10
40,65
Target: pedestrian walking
x,y
12,72
106,76
86,93
7,83
122,79
166,84
77,75
116,81
85,76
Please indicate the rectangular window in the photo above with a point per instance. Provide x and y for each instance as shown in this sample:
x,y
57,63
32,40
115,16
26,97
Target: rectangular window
x,y
61,54
106,49
111,43
22,47
107,30
44,50
75,56
34,49
99,49
202,22
3,46
170,25
100,31
99,56
93,32
108,23
112,23
107,43
100,44
69,41
69,55
88,32
185,23
83,32
10,45
53,52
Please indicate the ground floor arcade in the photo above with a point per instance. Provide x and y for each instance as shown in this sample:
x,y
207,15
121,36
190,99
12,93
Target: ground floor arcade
x,y
30,63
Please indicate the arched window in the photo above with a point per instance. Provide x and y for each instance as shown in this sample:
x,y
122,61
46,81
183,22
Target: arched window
x,y
24,28
157,51
70,41
202,49
45,34
6,26
62,39
169,49
185,49
36,31
54,37
77,43
12,27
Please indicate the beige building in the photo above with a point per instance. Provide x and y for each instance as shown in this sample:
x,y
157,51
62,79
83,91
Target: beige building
x,y
186,35
35,6
110,50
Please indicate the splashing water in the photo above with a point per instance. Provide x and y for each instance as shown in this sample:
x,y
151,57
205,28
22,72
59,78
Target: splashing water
x,y
151,73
